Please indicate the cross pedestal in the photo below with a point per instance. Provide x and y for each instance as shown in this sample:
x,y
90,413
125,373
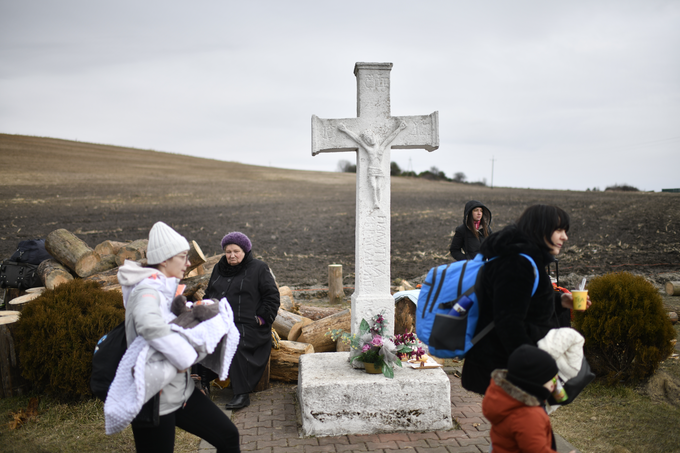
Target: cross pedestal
x,y
334,397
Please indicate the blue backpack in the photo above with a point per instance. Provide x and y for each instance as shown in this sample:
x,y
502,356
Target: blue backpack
x,y
452,336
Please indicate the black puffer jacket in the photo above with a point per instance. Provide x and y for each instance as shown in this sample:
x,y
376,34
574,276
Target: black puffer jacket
x,y
505,299
465,245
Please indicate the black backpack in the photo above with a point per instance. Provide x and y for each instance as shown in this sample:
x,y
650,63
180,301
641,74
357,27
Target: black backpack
x,y
31,251
107,355
21,269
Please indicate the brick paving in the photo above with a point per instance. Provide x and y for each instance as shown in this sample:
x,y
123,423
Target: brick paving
x,y
270,425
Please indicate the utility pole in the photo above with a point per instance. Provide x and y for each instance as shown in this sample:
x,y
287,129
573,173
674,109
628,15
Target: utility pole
x,y
492,162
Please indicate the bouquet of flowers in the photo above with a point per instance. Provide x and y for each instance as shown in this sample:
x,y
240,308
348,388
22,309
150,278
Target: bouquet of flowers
x,y
410,340
371,345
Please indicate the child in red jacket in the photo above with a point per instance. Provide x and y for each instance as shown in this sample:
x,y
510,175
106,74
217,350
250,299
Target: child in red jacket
x,y
514,403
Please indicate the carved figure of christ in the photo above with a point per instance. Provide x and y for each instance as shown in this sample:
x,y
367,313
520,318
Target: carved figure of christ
x,y
374,153
364,135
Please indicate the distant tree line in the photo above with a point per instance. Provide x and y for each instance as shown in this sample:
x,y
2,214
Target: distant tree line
x,y
433,174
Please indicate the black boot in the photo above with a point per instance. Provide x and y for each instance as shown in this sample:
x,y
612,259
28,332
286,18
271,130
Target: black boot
x,y
239,401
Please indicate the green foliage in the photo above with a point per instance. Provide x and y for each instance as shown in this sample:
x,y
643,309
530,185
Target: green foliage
x,y
626,329
57,333
394,169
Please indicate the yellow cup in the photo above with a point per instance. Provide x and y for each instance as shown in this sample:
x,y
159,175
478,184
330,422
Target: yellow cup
x,y
580,299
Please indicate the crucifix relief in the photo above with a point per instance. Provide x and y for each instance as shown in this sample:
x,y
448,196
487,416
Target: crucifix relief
x,y
372,135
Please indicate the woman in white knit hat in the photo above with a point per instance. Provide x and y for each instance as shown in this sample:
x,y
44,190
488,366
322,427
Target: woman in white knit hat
x,y
147,294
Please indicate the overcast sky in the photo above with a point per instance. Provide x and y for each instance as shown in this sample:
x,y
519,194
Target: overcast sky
x,y
566,95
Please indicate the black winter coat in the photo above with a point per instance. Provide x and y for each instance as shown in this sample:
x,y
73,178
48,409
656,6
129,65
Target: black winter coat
x,y
465,245
505,299
251,292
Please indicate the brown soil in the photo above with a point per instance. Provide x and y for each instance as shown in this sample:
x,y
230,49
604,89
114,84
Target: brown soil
x,y
301,221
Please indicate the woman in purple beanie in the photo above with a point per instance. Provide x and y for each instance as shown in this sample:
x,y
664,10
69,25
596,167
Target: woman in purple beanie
x,y
250,288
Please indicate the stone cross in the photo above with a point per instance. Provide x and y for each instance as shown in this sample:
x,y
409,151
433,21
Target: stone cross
x,y
372,134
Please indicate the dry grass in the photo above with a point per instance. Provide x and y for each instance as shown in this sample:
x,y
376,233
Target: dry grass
x,y
643,419
75,427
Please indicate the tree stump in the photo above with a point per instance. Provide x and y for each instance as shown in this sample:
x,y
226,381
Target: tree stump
x,y
285,361
134,251
336,293
10,371
53,274
72,252
316,332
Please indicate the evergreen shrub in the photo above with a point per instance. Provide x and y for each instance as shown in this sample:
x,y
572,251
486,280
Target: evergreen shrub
x,y
57,333
626,329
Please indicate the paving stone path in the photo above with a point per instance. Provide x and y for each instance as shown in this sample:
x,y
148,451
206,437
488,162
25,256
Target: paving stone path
x,y
270,425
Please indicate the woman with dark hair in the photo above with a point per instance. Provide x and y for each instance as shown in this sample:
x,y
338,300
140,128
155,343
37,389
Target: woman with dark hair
x,y
253,295
505,292
469,236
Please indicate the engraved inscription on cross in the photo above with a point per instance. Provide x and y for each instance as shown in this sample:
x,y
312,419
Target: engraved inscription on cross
x,y
372,135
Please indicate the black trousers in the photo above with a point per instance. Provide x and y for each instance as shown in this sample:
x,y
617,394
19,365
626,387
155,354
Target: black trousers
x,y
200,417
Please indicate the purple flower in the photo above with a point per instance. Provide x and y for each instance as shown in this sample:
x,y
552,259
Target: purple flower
x,y
366,347
377,341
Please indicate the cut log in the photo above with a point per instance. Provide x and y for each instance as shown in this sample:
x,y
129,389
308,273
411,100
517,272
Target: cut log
x,y
286,291
673,288
72,252
404,316
195,256
18,302
316,313
134,251
285,361
315,333
288,304
9,316
341,346
210,263
105,278
10,371
53,274
336,293
296,330
285,320
107,263
193,284
108,247
38,290
113,288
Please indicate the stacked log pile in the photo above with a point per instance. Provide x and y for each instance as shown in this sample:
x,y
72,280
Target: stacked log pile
x,y
302,328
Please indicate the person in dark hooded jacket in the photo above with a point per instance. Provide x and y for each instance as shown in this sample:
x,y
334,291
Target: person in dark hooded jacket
x,y
475,228
505,291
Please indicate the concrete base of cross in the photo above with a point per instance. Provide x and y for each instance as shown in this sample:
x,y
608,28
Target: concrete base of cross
x,y
336,399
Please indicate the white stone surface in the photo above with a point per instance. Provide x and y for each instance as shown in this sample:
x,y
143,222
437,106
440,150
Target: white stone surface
x,y
336,399
372,135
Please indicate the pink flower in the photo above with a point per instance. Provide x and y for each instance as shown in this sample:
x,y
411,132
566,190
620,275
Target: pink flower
x,y
377,341
366,347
